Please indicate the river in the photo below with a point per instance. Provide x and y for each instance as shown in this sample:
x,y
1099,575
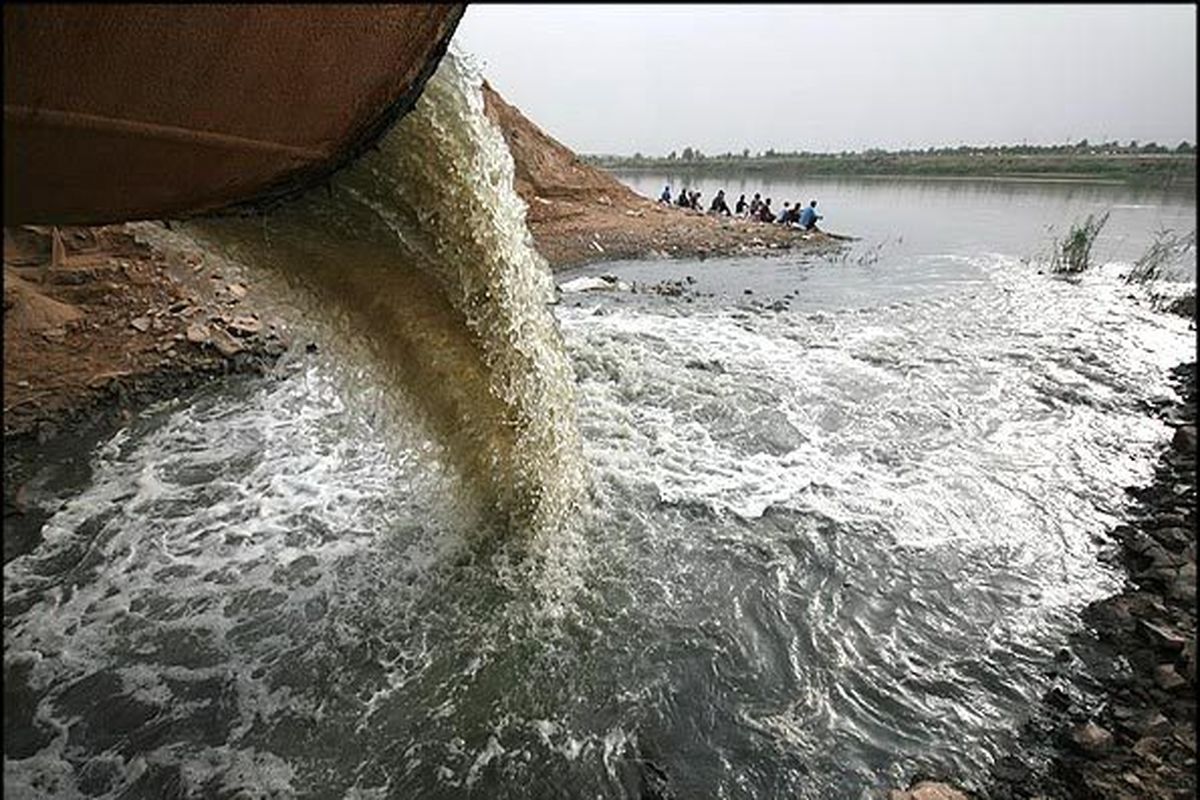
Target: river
x,y
840,515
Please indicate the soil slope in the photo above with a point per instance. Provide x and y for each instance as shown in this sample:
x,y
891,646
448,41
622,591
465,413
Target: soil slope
x,y
579,214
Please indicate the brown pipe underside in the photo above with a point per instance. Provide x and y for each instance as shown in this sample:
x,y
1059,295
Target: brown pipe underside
x,y
115,113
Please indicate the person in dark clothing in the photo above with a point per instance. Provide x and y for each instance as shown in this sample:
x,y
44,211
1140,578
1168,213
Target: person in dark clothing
x,y
740,208
755,205
765,214
696,201
719,206
665,197
684,200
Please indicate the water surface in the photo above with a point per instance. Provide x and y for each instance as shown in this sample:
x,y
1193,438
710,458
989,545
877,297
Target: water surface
x,y
835,530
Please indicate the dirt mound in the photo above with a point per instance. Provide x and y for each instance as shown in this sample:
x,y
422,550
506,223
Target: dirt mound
x,y
579,214
27,309
547,170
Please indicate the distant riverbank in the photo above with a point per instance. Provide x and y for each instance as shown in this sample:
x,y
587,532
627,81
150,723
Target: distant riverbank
x,y
1145,168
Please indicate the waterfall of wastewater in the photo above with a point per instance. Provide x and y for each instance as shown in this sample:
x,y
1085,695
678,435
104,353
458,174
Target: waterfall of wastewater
x,y
419,263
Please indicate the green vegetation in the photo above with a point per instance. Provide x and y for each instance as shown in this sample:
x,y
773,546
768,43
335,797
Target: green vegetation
x,y
1131,163
1073,255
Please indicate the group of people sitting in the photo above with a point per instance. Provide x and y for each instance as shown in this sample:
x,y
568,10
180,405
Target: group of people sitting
x,y
757,208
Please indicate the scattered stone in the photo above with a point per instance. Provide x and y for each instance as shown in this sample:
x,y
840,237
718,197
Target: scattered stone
x,y
245,326
141,323
1167,678
197,333
1092,739
1184,440
1163,636
237,290
226,345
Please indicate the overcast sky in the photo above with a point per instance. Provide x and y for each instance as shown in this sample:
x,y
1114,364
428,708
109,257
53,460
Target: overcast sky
x,y
626,79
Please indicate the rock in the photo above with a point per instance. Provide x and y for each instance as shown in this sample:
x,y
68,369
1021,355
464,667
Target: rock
x,y
245,326
1145,748
1184,586
225,344
1184,440
1174,538
1152,723
237,290
928,790
1167,521
1092,739
197,333
1164,636
1167,678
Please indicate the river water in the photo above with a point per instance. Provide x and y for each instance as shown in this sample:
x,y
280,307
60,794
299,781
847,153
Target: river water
x,y
833,532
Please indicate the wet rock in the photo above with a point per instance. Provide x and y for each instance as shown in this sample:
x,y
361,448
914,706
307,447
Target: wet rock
x,y
226,345
1152,723
1092,739
1163,636
1175,539
1184,586
1167,679
1184,440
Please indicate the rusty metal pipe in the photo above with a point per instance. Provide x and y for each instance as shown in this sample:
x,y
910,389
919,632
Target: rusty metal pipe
x,y
115,113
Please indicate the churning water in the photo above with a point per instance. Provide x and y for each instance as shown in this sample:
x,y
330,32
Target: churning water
x,y
829,532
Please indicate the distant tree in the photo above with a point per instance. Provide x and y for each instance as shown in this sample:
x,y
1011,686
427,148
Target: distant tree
x,y
1082,144
688,154
1133,144
746,151
1185,147
770,153
671,156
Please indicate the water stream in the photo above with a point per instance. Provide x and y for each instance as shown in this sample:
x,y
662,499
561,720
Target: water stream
x,y
797,542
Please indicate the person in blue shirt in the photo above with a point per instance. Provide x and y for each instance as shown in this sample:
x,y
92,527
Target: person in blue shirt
x,y
809,217
665,197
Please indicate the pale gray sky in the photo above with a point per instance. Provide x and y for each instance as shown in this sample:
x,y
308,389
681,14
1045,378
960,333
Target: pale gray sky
x,y
650,79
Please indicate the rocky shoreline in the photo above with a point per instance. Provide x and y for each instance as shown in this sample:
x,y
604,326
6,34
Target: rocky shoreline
x,y
1121,724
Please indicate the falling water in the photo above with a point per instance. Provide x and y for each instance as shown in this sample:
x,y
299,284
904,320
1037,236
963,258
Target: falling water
x,y
418,258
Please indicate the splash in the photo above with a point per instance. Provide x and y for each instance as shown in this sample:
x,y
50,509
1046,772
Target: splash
x,y
419,257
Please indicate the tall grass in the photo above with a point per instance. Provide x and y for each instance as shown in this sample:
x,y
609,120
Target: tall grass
x,y
1166,252
1073,255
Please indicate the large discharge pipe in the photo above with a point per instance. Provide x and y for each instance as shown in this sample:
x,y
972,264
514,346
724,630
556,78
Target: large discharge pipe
x,y
115,113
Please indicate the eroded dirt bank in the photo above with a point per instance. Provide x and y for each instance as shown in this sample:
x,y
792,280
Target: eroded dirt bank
x,y
578,214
